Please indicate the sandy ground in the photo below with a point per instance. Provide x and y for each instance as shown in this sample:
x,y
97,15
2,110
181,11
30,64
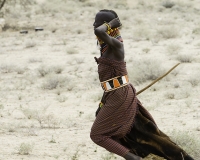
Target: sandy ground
x,y
49,87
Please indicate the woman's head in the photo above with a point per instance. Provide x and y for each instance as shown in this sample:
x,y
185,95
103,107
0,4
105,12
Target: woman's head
x,y
103,16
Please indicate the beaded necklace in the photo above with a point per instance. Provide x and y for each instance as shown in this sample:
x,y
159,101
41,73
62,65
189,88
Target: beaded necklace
x,y
113,33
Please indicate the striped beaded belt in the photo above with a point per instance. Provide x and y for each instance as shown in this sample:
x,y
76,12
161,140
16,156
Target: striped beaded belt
x,y
114,83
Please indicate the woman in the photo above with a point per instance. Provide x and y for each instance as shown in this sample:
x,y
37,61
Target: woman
x,y
123,126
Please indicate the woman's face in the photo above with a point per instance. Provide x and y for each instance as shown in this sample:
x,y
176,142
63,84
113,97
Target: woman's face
x,y
102,17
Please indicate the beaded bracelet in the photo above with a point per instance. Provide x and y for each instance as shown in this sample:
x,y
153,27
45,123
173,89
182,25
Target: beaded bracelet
x,y
108,28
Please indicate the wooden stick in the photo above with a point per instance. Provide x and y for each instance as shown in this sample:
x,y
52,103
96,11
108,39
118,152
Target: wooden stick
x,y
142,90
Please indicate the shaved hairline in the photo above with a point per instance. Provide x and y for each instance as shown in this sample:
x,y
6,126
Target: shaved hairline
x,y
111,11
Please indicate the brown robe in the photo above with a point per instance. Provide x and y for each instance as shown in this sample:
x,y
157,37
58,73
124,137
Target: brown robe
x,y
123,124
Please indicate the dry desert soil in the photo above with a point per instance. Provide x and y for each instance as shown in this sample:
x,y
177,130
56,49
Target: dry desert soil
x,y
49,86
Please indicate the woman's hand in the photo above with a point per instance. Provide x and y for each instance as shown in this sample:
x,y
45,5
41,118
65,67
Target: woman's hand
x,y
115,23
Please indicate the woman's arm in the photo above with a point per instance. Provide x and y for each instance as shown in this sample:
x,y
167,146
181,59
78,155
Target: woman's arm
x,y
101,33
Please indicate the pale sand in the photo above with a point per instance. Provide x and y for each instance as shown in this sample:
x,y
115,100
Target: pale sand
x,y
67,112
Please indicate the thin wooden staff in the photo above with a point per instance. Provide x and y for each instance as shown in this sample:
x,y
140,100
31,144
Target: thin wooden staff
x,y
142,90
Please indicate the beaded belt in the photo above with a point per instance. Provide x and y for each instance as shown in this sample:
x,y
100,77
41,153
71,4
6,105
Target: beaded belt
x,y
114,83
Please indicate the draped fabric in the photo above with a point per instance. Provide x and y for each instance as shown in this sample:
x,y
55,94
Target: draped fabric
x,y
117,115
124,125
145,138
